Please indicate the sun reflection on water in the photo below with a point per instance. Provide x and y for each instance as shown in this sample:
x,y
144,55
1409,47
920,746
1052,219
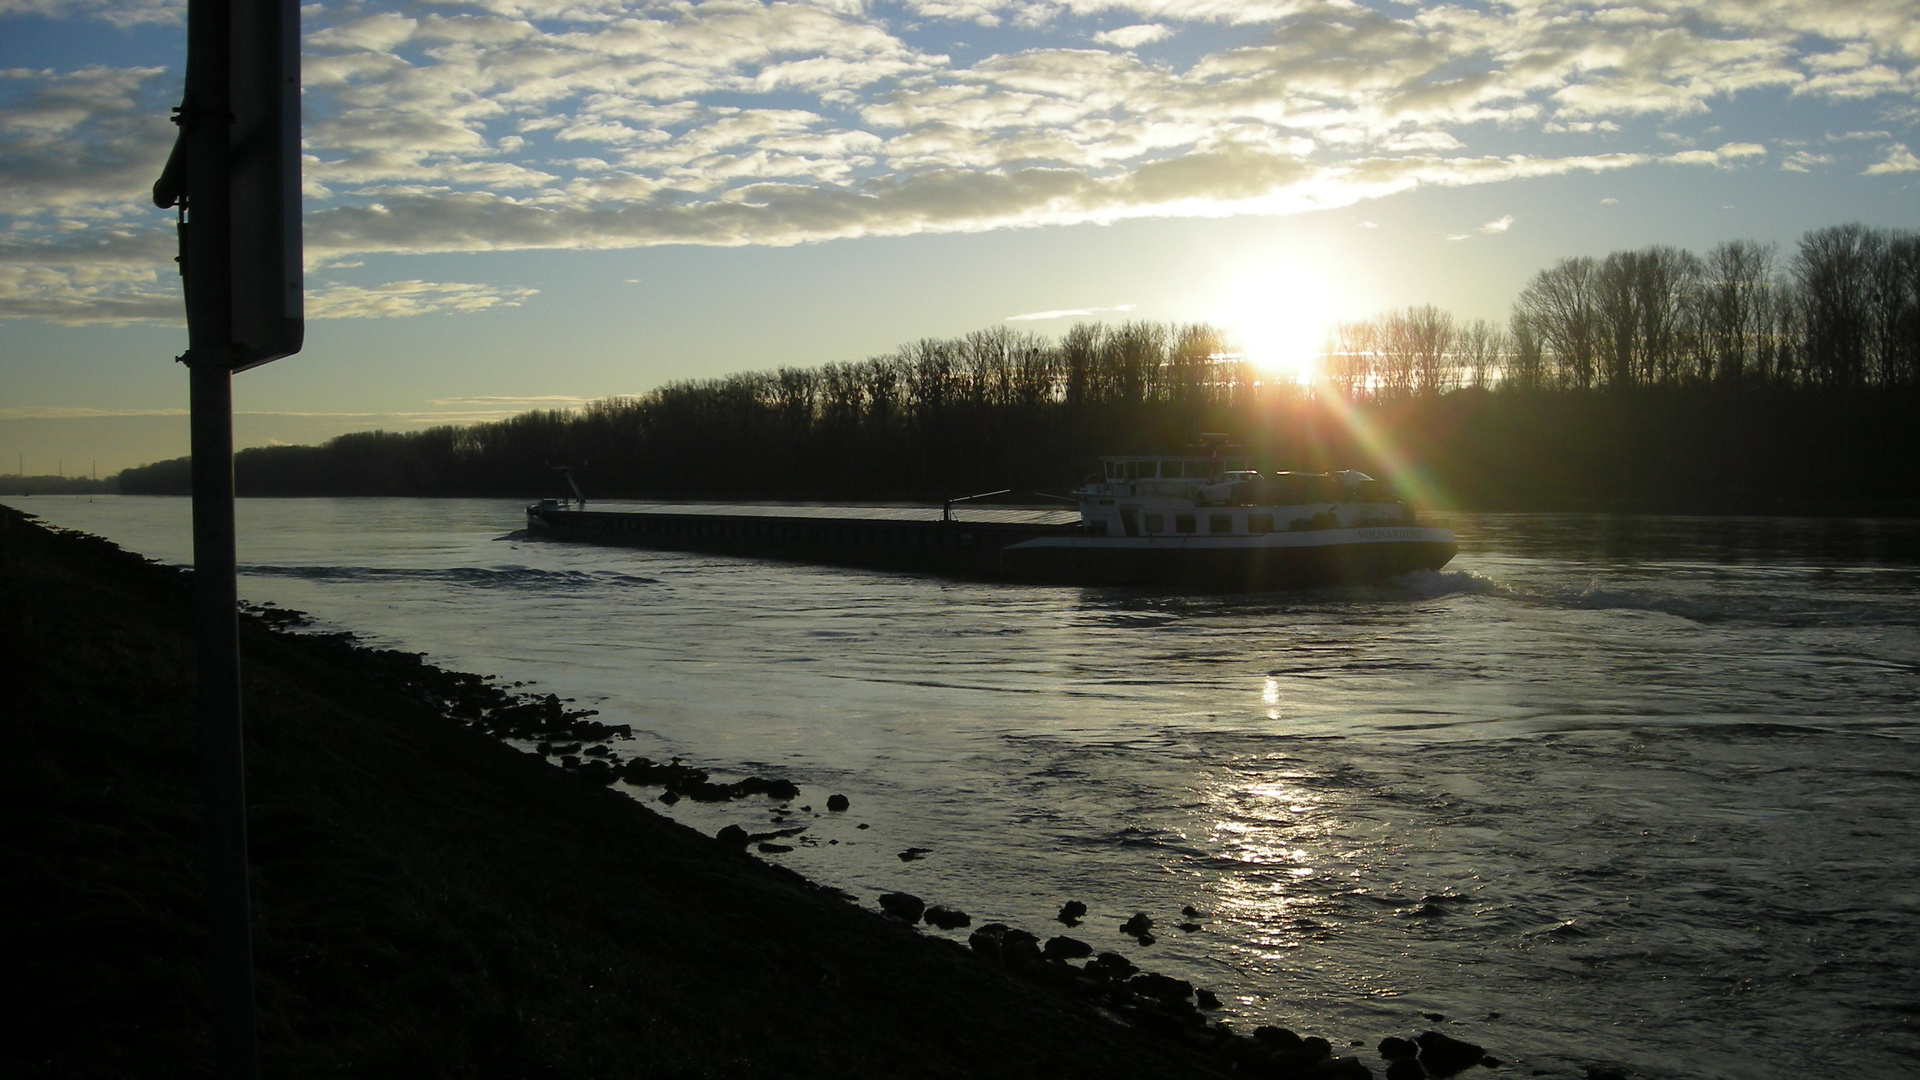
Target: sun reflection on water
x,y
1263,834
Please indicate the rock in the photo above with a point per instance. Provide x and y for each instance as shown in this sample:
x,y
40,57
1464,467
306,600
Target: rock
x,y
947,918
1276,1038
1250,1056
1206,999
1316,1048
1072,912
1393,1048
776,849
1441,1055
1188,927
1160,987
757,785
1111,966
837,802
1438,1018
733,836
1137,926
1343,1068
903,906
1606,1072
1405,1068
1192,912
1019,949
1052,973
913,853
986,940
1066,948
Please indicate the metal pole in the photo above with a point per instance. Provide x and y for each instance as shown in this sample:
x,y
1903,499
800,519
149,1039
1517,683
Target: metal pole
x,y
217,634
207,115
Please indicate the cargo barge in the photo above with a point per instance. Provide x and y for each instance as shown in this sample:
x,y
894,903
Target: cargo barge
x,y
1197,521
914,539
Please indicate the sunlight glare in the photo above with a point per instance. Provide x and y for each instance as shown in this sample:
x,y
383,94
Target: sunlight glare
x,y
1280,313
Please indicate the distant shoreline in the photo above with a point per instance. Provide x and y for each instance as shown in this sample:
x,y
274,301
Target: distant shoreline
x,y
1892,508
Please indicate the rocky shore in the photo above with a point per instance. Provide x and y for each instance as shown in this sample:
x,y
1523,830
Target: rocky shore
x,y
430,900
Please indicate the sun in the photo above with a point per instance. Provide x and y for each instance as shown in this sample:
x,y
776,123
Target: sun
x,y
1281,313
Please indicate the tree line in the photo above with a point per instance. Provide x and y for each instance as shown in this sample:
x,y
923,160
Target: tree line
x,y
1652,378
1843,312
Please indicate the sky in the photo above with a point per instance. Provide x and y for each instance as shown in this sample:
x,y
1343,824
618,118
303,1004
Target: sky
x,y
516,204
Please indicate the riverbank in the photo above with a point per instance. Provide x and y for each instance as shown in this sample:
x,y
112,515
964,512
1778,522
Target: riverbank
x,y
431,901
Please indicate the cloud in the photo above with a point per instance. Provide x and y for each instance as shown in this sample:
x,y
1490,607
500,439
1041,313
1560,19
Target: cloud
x,y
542,401
119,13
481,125
1899,160
80,145
1722,157
1498,225
1802,161
1068,313
71,413
401,299
1132,37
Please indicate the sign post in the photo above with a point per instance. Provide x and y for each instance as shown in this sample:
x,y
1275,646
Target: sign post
x,y
235,175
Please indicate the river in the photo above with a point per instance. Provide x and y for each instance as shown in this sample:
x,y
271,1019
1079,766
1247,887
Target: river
x,y
1631,792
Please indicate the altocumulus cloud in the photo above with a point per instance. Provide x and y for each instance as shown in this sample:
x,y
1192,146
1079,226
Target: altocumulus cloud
x,y
477,125
403,298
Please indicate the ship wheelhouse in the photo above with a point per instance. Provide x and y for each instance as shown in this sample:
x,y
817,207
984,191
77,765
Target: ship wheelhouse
x,y
1186,497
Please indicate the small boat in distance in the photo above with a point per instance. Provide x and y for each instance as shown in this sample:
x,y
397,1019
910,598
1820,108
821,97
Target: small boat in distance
x,y
1199,521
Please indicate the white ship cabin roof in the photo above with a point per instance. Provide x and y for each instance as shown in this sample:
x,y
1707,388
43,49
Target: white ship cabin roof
x,y
1168,467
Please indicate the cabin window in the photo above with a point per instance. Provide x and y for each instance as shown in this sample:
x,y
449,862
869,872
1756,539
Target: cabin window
x,y
1156,523
1219,523
1116,470
1259,523
1183,523
1199,470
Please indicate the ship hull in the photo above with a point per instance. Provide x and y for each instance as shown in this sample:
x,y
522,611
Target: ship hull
x,y
1055,554
1233,564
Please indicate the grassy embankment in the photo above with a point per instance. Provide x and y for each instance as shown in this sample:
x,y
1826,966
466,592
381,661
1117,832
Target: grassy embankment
x,y
429,900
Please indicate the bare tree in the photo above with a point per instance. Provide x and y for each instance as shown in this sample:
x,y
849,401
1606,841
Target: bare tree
x,y
1036,368
933,376
1559,307
795,389
1482,348
1526,366
1737,293
1646,301
1194,365
1135,353
1833,272
1349,359
1431,334
1079,362
984,359
1893,303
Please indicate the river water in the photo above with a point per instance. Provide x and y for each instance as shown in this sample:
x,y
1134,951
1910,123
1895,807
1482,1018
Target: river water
x,y
1605,791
